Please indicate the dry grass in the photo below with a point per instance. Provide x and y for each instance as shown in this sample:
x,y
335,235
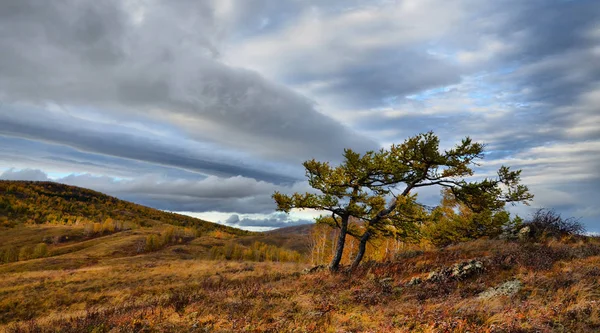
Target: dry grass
x,y
170,291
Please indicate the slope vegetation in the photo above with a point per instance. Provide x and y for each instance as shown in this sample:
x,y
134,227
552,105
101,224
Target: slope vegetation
x,y
23,202
48,226
480,286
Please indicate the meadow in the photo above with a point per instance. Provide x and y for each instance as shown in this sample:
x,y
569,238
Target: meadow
x,y
112,266
104,289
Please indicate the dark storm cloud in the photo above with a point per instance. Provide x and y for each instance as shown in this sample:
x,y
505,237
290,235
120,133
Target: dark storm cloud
x,y
36,154
536,51
161,63
88,137
364,54
542,87
556,47
378,77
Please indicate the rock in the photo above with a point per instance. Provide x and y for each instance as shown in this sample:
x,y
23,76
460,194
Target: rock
x,y
414,281
386,284
314,269
524,233
457,271
506,235
386,281
506,289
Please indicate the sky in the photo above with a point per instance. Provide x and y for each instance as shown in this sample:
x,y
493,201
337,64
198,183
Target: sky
x,y
209,106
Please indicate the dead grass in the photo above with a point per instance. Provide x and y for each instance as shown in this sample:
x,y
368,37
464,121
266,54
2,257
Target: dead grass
x,y
170,291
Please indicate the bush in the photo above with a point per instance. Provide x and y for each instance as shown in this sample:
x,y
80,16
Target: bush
x,y
11,254
26,252
40,250
258,251
153,243
453,228
549,224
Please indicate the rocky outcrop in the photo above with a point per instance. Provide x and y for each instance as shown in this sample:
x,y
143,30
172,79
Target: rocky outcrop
x,y
506,289
457,271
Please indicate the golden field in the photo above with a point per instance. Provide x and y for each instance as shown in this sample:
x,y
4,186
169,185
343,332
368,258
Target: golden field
x,y
74,260
101,287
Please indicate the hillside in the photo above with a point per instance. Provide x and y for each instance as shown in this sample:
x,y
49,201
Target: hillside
x,y
25,202
74,260
76,227
479,286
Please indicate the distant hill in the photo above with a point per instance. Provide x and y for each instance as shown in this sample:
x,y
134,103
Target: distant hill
x,y
295,238
28,202
298,230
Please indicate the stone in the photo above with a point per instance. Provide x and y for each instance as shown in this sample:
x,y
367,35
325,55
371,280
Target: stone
x,y
314,269
506,289
457,271
387,280
415,281
524,233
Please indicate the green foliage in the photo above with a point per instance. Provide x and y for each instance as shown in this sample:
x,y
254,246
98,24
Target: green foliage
x,y
456,229
25,252
366,187
454,221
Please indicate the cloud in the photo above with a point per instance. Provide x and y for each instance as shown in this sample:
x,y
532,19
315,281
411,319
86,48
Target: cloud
x,y
145,62
276,220
230,96
360,54
129,143
233,194
25,174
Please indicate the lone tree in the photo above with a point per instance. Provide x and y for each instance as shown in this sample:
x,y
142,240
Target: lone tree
x,y
377,187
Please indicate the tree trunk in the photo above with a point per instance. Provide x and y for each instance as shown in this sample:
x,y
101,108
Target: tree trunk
x,y
339,250
362,247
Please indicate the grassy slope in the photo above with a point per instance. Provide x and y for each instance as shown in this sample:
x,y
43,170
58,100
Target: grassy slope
x,y
24,202
165,292
60,216
105,283
294,238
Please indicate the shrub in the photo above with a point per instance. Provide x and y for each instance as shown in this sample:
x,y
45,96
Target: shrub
x,y
11,254
25,252
153,243
549,224
258,251
167,236
450,228
40,250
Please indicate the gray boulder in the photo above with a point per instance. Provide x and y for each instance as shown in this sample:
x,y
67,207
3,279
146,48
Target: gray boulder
x,y
506,289
457,271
